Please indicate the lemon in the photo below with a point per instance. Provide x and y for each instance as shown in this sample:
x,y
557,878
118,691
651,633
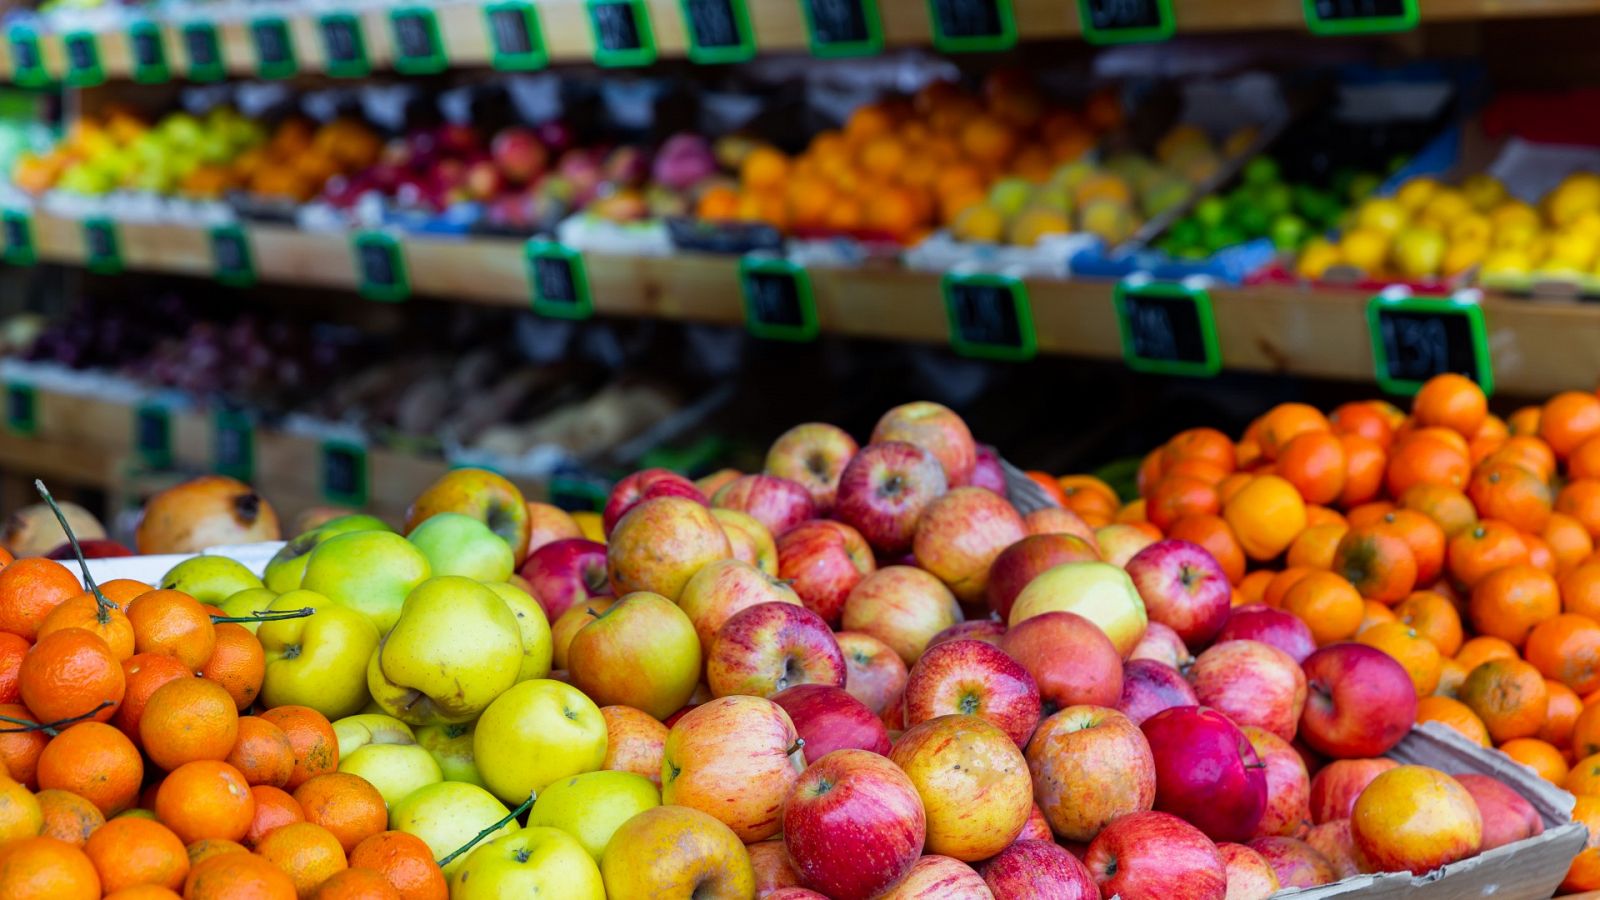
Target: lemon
x,y
1514,235
1577,194
1382,214
1506,263
1471,229
1513,212
1483,191
1318,255
1365,248
1588,223
981,223
1569,248
1415,194
1462,256
1418,252
1445,208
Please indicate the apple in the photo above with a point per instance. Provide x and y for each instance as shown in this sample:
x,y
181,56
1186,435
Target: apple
x,y
902,606
676,849
735,758
519,154
1332,839
726,587
973,678
533,627
208,579
593,805
1335,786
710,484
481,494
1119,542
987,473
858,800
1070,659
288,566
828,719
1296,863
935,877
777,503
959,536
973,781
1055,520
455,648
1251,683
823,560
647,484
457,544
1148,687
1037,827
548,523
774,871
1281,629
874,673
564,629
1249,875
536,733
1027,559
750,540
642,652
1508,817
1090,765
318,661
792,893
1288,809
451,747
1038,870
1162,645
448,814
1359,701
1207,772
635,742
660,544
884,491
564,572
93,548
383,751
987,630
814,456
936,429
245,603
530,862
770,647
1156,856
370,572
1100,592
1184,588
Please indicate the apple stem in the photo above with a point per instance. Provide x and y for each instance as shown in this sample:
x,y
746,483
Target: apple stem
x,y
267,615
103,606
591,612
798,745
50,728
526,805
1255,765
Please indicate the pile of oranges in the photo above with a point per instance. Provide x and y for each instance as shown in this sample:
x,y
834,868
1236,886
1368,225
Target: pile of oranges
x,y
1461,544
132,766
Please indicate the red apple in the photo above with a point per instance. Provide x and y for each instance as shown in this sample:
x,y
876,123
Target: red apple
x,y
1120,542
987,472
1283,630
977,679
960,535
547,524
856,799
813,455
875,674
1253,684
661,543
1156,856
646,485
565,572
1055,520
793,893
935,877
1508,817
1206,772
1296,863
1162,645
771,647
1148,687
1098,591
884,491
1288,785
726,587
1037,827
1332,840
987,630
1090,765
1020,563
823,560
1038,870
1249,876
829,719
774,871
93,548
735,759
902,606
750,540
1359,701
1183,588
778,503
936,429
1336,786
519,154
1414,819
1069,657
708,485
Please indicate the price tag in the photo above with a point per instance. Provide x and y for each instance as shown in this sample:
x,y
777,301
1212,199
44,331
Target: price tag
x,y
380,267
152,435
778,305
558,281
233,444
843,27
102,252
344,473
204,50
1125,21
1168,328
718,30
22,409
230,250
27,60
149,52
82,50
990,316
623,35
574,494
1415,339
275,56
1336,17
18,227
344,46
973,26
417,47
516,44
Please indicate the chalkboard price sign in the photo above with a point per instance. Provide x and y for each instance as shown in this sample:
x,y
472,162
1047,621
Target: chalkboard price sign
x,y
1415,339
22,409
719,31
1167,328
623,35
149,53
233,445
418,49
230,249
275,56
973,26
1125,21
82,50
27,60
515,40
19,248
558,281
843,27
102,252
989,316
344,46
344,473
380,267
1336,17
152,435
778,304
204,48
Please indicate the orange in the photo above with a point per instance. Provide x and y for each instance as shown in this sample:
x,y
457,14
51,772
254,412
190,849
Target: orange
x,y
129,852
1584,873
1362,418
1314,462
1453,714
1580,590
764,168
1567,648
1369,513
21,813
29,589
1487,546
1278,585
1434,617
1512,494
1365,461
356,884
41,868
96,762
1568,540
1266,515
1580,499
237,663
1410,649
347,805
1425,538
405,862
1586,731
68,817
1539,555
1528,452
1322,515
1568,419
1314,547
144,674
1509,696
1539,756
71,674
1228,487
1451,674
1373,613
316,747
1176,496
1585,460
20,749
1212,533
1450,401
1561,714
1252,587
83,611
205,848
1285,422
262,752
1328,604
988,140
1426,458
1583,778
1448,507
231,875
186,720
1377,561
205,799
12,650
274,809
1508,602
1203,445
1479,650
308,853
172,623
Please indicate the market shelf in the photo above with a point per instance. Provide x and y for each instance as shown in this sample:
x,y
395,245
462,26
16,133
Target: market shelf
x,y
465,38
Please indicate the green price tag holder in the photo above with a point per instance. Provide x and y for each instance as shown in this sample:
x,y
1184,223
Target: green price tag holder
x,y
344,45
778,302
152,435
718,31
418,48
623,33
840,28
27,57
1168,328
972,26
516,42
82,50
231,254
1154,21
577,494
990,316
148,48
233,444
1333,18
380,267
274,43
203,48
1414,339
102,248
558,281
20,249
343,473
22,409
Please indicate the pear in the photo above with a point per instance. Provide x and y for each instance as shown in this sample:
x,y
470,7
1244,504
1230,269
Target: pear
x,y
210,579
288,565
368,571
454,648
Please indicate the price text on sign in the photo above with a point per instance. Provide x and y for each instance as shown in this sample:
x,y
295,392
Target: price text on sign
x,y
19,250
623,35
718,30
1125,21
989,316
558,280
380,267
22,409
149,53
418,49
83,59
204,48
1414,340
102,251
344,46
1168,329
27,60
515,40
1335,17
970,26
344,473
275,56
230,251
778,304
233,447
152,435
843,27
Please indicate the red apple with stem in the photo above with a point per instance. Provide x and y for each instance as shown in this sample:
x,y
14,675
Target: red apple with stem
x,y
813,455
1027,559
977,679
1069,657
1038,870
884,491
823,560
564,572
1359,701
1156,856
1251,683
645,485
1090,765
1148,687
1206,771
875,674
936,429
777,503
771,647
1183,588
829,719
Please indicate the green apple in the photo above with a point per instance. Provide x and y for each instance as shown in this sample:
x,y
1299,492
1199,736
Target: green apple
x,y
288,565
451,746
210,579
457,544
592,806
533,862
248,602
319,661
368,571
357,731
641,652
447,814
395,770
455,647
536,645
536,733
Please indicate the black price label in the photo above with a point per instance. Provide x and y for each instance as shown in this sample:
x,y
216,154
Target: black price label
x,y
1414,340
152,435
380,267
1336,17
82,50
778,303
623,35
344,46
344,473
1168,328
233,448
22,409
843,27
718,30
230,250
418,48
1125,21
149,53
27,60
970,26
19,250
989,316
204,47
102,253
559,281
516,42
275,56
